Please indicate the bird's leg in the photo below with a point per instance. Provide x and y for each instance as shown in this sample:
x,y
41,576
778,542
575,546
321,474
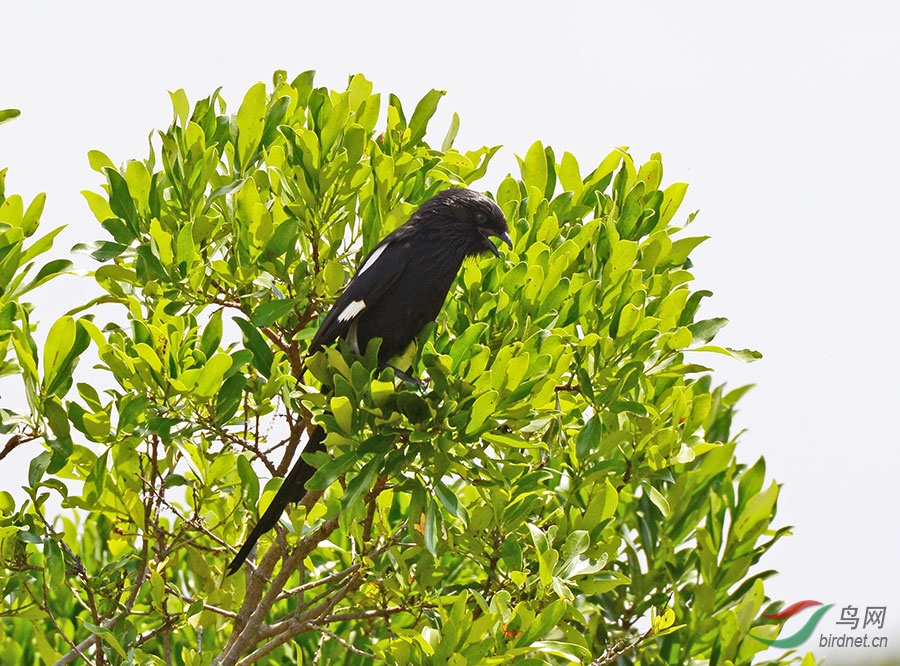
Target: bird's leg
x,y
404,377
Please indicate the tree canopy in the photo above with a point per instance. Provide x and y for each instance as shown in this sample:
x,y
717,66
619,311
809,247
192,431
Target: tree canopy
x,y
564,490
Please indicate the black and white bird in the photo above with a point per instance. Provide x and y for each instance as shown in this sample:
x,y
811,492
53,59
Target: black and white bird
x,y
399,288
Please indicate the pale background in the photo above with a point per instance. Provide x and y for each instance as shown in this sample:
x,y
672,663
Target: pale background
x,y
782,116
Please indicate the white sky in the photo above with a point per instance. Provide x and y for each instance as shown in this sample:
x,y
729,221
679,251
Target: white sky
x,y
782,116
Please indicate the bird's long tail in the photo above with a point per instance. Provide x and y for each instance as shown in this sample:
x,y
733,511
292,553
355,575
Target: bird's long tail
x,y
293,488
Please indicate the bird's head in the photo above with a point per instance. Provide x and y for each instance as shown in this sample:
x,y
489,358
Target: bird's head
x,y
470,217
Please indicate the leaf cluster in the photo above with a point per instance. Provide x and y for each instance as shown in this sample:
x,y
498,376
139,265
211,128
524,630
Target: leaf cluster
x,y
564,490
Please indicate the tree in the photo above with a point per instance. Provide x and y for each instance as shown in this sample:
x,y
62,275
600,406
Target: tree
x,y
564,490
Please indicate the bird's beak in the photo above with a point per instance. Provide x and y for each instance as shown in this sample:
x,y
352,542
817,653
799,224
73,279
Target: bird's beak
x,y
502,235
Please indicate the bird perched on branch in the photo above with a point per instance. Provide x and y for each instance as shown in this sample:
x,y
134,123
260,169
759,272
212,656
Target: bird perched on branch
x,y
398,289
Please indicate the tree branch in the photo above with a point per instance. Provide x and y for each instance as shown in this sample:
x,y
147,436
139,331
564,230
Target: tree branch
x,y
244,637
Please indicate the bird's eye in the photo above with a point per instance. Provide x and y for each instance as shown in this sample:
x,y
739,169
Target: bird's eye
x,y
480,219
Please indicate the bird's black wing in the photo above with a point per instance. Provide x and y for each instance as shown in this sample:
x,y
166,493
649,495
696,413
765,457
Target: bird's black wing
x,y
380,270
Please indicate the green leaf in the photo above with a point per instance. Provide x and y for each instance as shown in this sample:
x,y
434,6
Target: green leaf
x,y
249,481
672,198
250,120
650,174
180,106
229,397
331,470
56,417
210,379
98,205
338,116
381,391
462,346
534,167
54,565
38,466
138,179
361,483
212,334
303,84
570,652
706,330
746,355
604,581
40,246
423,112
759,510
120,202
270,312
546,565
451,133
622,257
432,528
99,161
658,499
274,118
8,114
47,272
148,354
60,342
185,252
108,637
608,501
538,538
570,176
7,503
482,410
681,248
256,344
343,413
447,498
334,277
576,543
33,214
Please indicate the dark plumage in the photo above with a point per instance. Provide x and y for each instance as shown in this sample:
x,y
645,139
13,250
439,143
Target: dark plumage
x,y
398,289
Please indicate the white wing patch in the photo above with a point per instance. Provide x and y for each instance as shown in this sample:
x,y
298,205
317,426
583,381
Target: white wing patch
x,y
372,259
352,310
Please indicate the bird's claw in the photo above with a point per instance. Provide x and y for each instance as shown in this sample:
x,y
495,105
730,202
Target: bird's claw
x,y
404,377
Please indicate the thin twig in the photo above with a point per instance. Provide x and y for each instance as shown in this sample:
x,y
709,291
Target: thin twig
x,y
612,653
16,440
79,649
301,623
243,638
364,615
343,573
334,636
